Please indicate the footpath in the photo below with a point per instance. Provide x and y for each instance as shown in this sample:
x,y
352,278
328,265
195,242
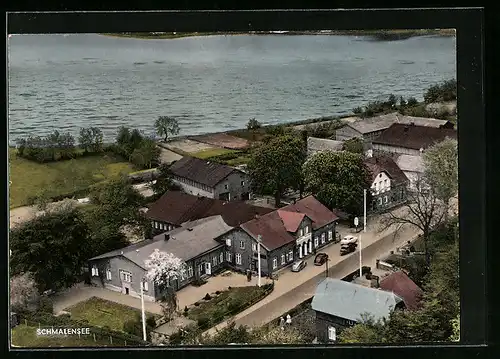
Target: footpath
x,y
291,289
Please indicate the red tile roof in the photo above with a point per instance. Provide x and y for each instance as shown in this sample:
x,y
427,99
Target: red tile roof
x,y
414,137
201,171
177,207
291,220
400,284
314,209
273,227
386,164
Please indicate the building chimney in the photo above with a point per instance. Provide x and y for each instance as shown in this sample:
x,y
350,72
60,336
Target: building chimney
x,y
167,236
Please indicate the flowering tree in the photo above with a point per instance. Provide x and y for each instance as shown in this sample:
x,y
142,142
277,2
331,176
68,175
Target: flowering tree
x,y
161,268
23,292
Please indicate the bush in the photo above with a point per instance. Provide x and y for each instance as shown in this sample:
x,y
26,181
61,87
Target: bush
x,y
175,338
203,322
207,297
46,305
217,292
446,91
197,304
357,110
412,101
186,309
198,282
151,321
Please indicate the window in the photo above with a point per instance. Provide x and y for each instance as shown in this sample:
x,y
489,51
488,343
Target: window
x,y
254,247
153,224
301,232
386,199
221,257
385,183
162,226
126,277
242,183
330,235
376,186
306,229
200,268
379,201
242,245
290,256
95,271
145,286
316,242
380,175
183,274
283,259
156,225
225,186
238,258
190,272
275,263
108,274
229,257
214,261
228,242
323,235
332,333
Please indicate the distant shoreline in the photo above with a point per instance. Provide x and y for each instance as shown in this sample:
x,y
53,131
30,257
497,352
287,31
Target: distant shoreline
x,y
382,35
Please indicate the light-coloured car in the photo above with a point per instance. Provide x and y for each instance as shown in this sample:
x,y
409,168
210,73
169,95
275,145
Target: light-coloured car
x,y
349,239
298,266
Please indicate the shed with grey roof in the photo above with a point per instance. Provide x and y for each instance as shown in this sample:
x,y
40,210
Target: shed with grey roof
x,y
339,305
315,145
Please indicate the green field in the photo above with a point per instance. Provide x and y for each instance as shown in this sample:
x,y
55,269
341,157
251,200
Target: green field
x,y
212,152
25,336
29,178
99,312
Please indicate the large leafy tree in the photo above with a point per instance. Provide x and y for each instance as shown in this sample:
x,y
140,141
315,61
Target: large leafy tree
x,y
91,139
354,145
276,165
163,182
338,179
54,247
167,126
146,155
24,294
368,330
441,169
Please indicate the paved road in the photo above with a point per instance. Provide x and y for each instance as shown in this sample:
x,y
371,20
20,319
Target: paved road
x,y
293,288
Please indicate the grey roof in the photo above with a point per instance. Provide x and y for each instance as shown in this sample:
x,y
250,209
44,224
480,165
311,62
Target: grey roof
x,y
186,242
315,144
349,301
378,123
409,163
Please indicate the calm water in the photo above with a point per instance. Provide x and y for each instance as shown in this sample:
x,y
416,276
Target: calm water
x,y
209,83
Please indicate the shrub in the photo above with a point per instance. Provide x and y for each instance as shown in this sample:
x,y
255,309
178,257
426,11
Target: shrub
x,y
229,287
217,292
151,321
357,110
199,282
233,307
46,305
207,297
197,304
203,322
175,338
412,101
186,309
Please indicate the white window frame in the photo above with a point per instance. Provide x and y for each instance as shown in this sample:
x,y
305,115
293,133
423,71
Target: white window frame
x,y
316,242
152,224
323,238
226,186
306,229
283,259
190,272
229,257
126,276
145,286
386,199
275,263
228,242
238,258
242,244
254,247
242,183
332,333
290,256
221,257
379,202
214,261
95,271
156,225
330,235
183,274
108,274
301,232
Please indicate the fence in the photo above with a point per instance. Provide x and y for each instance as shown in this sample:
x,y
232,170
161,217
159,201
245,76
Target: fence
x,y
100,336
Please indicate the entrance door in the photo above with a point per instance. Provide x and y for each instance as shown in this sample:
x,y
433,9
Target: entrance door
x,y
126,290
208,268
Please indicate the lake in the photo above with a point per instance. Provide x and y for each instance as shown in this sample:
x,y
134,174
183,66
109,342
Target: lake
x,y
212,83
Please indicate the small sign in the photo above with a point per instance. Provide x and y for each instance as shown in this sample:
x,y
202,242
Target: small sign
x,y
356,221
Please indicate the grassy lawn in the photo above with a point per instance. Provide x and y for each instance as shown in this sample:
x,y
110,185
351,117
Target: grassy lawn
x,y
226,302
25,336
241,160
100,313
30,178
213,152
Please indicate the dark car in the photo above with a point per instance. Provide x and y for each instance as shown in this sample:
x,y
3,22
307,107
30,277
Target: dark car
x,y
298,266
347,248
320,259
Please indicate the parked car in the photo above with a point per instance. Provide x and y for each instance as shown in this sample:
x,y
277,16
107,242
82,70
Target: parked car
x,y
346,248
349,239
298,266
320,259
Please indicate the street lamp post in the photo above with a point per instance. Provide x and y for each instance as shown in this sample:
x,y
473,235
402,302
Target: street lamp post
x,y
144,337
326,262
259,238
356,223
